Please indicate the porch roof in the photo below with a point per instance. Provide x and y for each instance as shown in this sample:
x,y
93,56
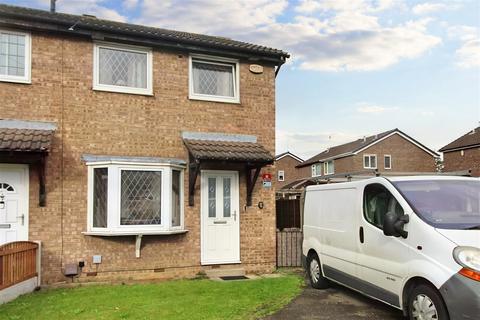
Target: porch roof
x,y
25,136
228,150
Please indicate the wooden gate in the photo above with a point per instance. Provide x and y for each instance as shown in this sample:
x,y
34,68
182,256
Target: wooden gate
x,y
18,262
289,248
288,213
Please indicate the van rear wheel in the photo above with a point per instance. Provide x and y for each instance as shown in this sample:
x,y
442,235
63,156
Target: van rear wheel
x,y
425,303
317,280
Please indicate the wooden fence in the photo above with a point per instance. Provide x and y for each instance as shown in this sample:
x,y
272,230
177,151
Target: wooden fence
x,y
288,213
18,262
289,247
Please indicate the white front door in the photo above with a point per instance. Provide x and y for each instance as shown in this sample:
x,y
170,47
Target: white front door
x,y
220,233
13,203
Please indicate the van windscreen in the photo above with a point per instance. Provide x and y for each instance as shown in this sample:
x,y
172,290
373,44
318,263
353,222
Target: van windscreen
x,y
445,204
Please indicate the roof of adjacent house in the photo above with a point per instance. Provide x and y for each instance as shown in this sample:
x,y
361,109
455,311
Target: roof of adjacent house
x,y
351,148
105,29
227,150
288,154
468,140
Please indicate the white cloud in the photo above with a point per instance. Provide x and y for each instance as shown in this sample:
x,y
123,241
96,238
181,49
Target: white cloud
x,y
308,144
325,35
374,109
468,54
92,7
130,4
429,7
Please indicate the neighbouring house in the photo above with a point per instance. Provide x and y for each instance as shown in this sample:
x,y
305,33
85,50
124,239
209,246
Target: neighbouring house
x,y
285,168
386,152
463,153
134,152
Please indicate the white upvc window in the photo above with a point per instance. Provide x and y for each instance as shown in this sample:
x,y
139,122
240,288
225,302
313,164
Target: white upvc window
x,y
370,161
316,169
122,68
328,167
387,161
281,175
214,79
135,199
15,56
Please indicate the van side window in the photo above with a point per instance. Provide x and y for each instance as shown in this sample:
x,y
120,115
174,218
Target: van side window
x,y
377,201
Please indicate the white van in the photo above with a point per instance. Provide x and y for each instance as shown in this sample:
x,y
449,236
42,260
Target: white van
x,y
410,242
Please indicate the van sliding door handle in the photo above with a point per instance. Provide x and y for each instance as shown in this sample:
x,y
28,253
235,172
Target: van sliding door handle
x,y
360,233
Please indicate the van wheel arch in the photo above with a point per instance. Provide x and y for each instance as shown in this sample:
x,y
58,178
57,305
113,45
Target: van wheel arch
x,y
408,288
311,252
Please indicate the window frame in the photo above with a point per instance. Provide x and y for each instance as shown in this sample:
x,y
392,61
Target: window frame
x,y
390,162
27,78
97,86
114,226
315,165
397,199
234,63
370,161
325,166
281,173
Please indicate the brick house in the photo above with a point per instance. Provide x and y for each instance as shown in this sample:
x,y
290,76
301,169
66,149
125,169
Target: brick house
x,y
137,145
390,151
285,169
463,153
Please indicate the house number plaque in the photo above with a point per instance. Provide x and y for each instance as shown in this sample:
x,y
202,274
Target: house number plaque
x,y
256,68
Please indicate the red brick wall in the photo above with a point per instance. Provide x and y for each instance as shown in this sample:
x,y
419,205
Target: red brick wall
x,y
132,125
291,173
470,160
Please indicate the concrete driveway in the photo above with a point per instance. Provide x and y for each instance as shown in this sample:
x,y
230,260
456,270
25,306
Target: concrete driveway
x,y
335,303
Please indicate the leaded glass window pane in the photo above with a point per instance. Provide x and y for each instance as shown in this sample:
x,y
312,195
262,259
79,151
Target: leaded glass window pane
x,y
100,197
122,68
213,79
226,197
12,54
212,198
140,197
176,205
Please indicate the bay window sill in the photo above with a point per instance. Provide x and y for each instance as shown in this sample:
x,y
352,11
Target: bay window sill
x,y
117,233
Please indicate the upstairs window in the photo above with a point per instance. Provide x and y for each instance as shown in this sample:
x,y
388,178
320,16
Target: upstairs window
x,y
14,56
316,169
281,175
122,69
328,167
387,161
370,161
214,79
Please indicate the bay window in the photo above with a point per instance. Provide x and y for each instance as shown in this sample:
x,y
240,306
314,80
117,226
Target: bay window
x,y
134,199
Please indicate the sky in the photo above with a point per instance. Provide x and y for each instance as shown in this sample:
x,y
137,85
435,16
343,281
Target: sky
x,y
357,67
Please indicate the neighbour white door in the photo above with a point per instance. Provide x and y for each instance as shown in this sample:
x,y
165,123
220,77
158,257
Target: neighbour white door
x,y
13,203
220,234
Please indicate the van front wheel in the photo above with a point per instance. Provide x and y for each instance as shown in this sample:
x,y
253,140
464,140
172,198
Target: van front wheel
x,y
426,303
317,280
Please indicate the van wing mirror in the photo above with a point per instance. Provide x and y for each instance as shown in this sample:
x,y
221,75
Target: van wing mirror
x,y
393,225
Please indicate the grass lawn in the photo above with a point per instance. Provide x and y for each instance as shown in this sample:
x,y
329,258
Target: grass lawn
x,y
182,299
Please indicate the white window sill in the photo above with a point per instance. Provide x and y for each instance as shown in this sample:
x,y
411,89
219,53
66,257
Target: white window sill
x,y
133,233
214,99
15,80
125,90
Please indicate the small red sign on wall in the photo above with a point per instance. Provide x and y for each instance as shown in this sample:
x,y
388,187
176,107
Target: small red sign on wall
x,y
266,177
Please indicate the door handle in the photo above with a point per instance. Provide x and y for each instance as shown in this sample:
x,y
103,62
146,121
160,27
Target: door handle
x,y
234,215
360,234
23,218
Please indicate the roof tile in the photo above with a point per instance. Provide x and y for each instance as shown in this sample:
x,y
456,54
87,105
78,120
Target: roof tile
x,y
470,139
12,139
227,150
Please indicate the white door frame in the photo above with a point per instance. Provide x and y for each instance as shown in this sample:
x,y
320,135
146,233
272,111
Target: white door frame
x,y
235,194
24,198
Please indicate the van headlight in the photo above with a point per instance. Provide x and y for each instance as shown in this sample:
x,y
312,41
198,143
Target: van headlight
x,y
468,257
